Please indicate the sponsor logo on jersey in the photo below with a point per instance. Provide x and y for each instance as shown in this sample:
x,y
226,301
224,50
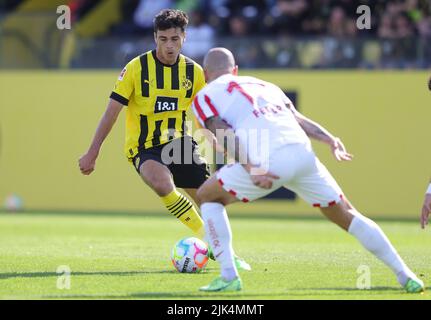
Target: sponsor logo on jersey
x,y
164,104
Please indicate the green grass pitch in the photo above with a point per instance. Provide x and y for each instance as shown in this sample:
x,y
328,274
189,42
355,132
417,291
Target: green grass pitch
x,y
114,256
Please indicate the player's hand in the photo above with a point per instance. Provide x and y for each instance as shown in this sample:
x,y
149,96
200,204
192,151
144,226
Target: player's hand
x,y
261,177
87,163
426,210
339,151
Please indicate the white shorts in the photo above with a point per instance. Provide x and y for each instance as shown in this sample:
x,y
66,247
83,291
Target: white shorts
x,y
299,170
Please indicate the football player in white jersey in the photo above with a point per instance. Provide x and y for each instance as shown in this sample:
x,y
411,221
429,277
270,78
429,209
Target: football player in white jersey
x,y
279,155
426,207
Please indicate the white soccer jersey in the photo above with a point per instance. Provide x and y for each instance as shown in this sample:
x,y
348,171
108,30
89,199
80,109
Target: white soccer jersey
x,y
256,110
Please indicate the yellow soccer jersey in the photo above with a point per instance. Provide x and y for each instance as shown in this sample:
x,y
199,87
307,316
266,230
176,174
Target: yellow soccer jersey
x,y
157,97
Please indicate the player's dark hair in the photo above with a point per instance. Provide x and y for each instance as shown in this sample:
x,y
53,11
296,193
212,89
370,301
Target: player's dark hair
x,y
170,18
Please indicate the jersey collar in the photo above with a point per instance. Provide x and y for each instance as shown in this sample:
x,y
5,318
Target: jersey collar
x,y
153,52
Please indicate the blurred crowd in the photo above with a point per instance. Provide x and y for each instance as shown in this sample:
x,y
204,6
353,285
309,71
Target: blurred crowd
x,y
8,5
395,24
390,19
288,33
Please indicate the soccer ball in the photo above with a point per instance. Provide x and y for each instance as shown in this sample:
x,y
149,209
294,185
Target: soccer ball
x,y
189,255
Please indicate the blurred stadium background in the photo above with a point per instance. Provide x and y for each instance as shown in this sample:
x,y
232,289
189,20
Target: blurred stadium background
x,y
367,86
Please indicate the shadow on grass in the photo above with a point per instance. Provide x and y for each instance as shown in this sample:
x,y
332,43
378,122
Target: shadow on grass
x,y
372,289
287,293
274,295
158,295
298,293
80,273
96,273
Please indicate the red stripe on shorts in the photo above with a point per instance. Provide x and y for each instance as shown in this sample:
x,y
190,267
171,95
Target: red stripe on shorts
x,y
232,192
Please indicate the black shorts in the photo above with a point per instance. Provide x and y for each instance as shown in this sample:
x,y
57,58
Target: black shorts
x,y
189,169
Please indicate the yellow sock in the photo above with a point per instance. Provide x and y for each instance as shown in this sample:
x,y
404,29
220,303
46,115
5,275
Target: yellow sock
x,y
183,209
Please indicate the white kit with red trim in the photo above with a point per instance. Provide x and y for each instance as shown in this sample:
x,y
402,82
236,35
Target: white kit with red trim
x,y
258,112
255,109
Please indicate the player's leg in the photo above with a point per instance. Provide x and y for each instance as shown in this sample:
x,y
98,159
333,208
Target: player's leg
x,y
192,192
320,189
189,171
193,170
340,214
231,184
159,178
371,236
240,263
213,199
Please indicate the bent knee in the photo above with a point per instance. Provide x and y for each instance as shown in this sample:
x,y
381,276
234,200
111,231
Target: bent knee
x,y
162,187
162,184
203,195
208,193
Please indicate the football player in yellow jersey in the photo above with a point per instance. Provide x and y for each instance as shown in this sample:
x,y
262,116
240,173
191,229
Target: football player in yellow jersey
x,y
157,88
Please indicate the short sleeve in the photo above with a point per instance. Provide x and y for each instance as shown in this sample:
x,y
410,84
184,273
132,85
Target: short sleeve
x,y
204,108
283,96
124,86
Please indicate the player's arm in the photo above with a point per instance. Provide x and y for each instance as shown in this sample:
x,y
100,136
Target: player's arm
x,y
209,136
120,96
260,177
223,134
426,207
317,132
88,160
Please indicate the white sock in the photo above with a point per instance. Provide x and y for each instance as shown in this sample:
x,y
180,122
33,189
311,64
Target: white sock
x,y
374,240
219,236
